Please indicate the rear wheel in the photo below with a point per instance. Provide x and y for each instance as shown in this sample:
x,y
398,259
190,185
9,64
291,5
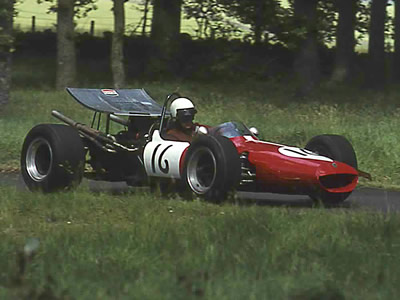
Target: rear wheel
x,y
212,167
52,158
338,148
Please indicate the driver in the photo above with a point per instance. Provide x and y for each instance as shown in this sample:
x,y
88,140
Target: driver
x,y
182,127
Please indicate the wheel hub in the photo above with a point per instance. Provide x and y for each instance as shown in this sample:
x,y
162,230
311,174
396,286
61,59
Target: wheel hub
x,y
39,159
202,170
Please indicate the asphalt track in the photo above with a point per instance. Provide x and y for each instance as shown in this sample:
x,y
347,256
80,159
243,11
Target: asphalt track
x,y
362,198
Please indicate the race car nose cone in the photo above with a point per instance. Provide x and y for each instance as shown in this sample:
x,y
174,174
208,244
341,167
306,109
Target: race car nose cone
x,y
335,168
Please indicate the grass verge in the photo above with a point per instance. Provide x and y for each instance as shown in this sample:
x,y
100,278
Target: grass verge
x,y
139,246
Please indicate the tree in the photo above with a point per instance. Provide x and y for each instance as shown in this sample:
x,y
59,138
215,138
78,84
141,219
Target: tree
x,y
117,53
307,62
263,16
165,30
397,40
145,12
166,22
143,7
6,45
376,45
66,56
345,39
209,16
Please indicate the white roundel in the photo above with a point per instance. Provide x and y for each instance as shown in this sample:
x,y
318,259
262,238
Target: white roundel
x,y
302,153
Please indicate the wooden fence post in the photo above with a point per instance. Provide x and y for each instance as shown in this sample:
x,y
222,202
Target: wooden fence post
x,y
92,28
33,23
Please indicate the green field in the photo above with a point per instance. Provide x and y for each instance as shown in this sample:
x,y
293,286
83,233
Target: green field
x,y
102,16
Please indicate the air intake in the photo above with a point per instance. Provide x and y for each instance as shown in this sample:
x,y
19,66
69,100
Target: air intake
x,y
336,180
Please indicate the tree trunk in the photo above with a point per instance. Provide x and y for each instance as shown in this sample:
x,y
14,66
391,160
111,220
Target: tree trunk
x,y
396,68
307,62
6,41
146,11
166,21
165,29
376,46
258,22
345,40
66,57
117,51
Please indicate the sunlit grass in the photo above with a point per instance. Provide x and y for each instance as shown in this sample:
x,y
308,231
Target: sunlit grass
x,y
102,16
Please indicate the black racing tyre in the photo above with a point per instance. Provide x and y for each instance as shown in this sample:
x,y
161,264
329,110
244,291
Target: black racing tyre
x,y
52,158
338,148
211,167
333,146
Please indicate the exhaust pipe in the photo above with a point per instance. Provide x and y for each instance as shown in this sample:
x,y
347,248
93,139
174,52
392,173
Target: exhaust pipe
x,y
82,127
93,133
119,120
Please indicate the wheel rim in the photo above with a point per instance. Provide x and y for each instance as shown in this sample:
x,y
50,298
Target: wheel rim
x,y
39,159
201,170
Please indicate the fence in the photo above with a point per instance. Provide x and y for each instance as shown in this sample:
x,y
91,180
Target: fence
x,y
26,21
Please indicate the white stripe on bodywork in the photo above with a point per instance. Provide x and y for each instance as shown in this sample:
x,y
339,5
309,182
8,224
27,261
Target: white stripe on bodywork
x,y
291,151
252,139
302,153
160,154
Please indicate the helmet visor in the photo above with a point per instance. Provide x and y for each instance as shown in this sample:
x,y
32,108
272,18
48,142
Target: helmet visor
x,y
186,115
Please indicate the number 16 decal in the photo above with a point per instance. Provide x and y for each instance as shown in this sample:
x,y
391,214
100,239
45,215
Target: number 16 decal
x,y
165,169
163,158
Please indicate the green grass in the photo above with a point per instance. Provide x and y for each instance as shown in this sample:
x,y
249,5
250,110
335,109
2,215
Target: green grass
x,y
136,246
368,119
141,246
102,15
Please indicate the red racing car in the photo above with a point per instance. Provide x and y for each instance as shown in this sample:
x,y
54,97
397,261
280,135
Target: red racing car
x,y
221,159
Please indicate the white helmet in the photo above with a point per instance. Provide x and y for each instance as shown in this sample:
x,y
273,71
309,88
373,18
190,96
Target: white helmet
x,y
181,103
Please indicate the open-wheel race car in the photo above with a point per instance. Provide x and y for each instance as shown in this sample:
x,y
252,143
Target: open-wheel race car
x,y
218,160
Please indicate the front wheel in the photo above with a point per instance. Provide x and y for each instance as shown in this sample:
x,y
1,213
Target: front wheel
x,y
52,158
212,167
338,148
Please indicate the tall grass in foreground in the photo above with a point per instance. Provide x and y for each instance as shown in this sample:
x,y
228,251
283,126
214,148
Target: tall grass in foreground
x,y
139,246
370,120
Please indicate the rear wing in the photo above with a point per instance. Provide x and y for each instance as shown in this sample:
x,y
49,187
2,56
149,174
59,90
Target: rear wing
x,y
124,102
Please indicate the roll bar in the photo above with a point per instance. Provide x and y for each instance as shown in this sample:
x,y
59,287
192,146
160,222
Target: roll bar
x,y
164,108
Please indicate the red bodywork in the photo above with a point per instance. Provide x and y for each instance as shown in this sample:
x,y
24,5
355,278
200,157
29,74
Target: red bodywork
x,y
279,173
